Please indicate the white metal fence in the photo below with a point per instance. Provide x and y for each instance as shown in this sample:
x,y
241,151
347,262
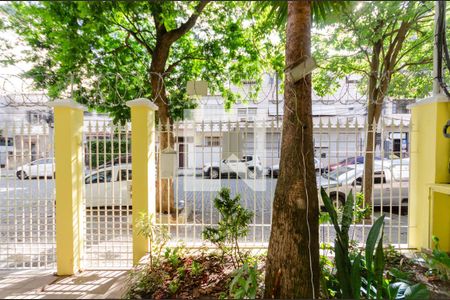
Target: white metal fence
x,y
206,153
204,146
27,209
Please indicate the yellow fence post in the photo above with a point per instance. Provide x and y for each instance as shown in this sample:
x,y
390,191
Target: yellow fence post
x,y
69,185
430,162
143,167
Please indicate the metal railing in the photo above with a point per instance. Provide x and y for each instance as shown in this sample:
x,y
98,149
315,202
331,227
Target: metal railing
x,y
202,146
27,208
207,156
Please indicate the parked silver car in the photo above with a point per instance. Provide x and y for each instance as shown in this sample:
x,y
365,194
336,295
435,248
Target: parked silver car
x,y
390,183
110,186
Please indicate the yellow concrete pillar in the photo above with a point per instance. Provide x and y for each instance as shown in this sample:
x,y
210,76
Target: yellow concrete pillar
x,y
430,155
143,166
68,141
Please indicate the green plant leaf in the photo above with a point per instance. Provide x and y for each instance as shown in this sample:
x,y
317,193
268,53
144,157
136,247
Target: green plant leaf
x,y
371,241
347,217
379,267
343,270
356,277
329,207
417,291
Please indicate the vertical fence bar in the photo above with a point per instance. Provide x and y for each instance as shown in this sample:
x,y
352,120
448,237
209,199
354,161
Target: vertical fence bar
x,y
143,167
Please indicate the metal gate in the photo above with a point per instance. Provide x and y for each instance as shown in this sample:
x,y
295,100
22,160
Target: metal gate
x,y
107,184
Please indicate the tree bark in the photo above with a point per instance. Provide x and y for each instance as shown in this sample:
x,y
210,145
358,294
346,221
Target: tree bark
x,y
374,113
292,269
165,200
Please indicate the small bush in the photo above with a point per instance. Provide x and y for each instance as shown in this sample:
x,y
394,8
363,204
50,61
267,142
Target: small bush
x,y
232,226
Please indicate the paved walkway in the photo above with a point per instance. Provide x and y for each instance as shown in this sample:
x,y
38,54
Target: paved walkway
x,y
44,285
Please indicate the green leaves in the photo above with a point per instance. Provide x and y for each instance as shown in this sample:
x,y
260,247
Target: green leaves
x,y
372,239
356,277
100,52
363,276
330,209
417,291
233,224
346,48
245,282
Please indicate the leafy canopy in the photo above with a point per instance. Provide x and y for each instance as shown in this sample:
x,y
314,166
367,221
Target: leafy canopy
x,y
100,52
347,47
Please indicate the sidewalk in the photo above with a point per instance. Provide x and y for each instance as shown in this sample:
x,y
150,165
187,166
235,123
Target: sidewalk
x,y
32,284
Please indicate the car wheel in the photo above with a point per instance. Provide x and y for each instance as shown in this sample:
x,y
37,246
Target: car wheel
x,y
251,174
214,173
337,199
21,175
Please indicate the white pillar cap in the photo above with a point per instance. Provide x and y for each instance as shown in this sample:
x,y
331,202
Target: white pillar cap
x,y
142,102
69,103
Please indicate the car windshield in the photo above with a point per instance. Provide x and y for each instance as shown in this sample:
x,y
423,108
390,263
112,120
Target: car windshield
x,y
334,175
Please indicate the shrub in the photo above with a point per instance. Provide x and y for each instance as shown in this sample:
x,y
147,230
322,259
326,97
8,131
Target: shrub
x,y
232,226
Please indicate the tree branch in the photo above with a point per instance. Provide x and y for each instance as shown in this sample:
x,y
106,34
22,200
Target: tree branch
x,y
172,66
355,30
425,40
136,37
185,27
421,62
136,34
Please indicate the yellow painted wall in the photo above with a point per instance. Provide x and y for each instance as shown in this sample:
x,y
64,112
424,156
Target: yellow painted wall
x,y
430,154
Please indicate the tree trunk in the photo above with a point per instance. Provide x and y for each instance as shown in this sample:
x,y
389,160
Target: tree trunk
x,y
373,117
368,162
292,269
164,187
165,198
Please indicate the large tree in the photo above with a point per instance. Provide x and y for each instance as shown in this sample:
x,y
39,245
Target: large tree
x,y
389,44
105,53
292,267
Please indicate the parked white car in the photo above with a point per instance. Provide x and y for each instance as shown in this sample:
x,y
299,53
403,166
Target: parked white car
x,y
44,167
109,186
248,166
390,183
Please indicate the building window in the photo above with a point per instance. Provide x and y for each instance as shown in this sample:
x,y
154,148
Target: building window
x,y
248,111
33,117
212,141
400,106
3,141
